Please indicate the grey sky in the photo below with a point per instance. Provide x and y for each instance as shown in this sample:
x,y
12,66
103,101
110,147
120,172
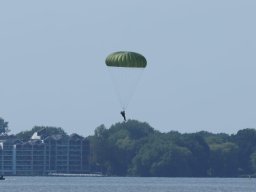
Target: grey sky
x,y
200,74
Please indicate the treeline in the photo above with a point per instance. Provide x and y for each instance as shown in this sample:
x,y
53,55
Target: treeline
x,y
136,149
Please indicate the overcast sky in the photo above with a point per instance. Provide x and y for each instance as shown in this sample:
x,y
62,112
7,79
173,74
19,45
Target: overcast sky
x,y
200,74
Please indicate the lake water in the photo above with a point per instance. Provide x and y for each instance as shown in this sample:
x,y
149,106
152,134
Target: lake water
x,y
126,184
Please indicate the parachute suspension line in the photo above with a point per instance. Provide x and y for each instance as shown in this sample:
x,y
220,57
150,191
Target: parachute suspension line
x,y
116,88
125,81
133,86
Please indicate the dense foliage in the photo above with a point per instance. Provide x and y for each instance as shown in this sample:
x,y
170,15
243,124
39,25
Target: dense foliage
x,y
136,149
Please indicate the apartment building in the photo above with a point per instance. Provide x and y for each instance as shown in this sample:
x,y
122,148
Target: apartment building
x,y
44,154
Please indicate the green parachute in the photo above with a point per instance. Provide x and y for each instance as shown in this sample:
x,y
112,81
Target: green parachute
x,y
125,70
126,59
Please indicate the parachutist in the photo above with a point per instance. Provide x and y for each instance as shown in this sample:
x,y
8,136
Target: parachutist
x,y
123,114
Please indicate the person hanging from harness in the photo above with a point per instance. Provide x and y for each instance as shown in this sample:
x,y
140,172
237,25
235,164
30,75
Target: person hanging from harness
x,y
123,114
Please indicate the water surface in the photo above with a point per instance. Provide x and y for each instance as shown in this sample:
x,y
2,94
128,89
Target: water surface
x,y
126,184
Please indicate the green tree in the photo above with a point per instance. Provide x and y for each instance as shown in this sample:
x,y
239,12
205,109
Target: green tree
x,y
114,148
200,152
99,150
149,153
253,162
173,163
160,156
224,160
3,127
135,148
246,141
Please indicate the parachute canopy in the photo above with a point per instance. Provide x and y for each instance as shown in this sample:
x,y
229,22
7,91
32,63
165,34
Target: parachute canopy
x,y
126,59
